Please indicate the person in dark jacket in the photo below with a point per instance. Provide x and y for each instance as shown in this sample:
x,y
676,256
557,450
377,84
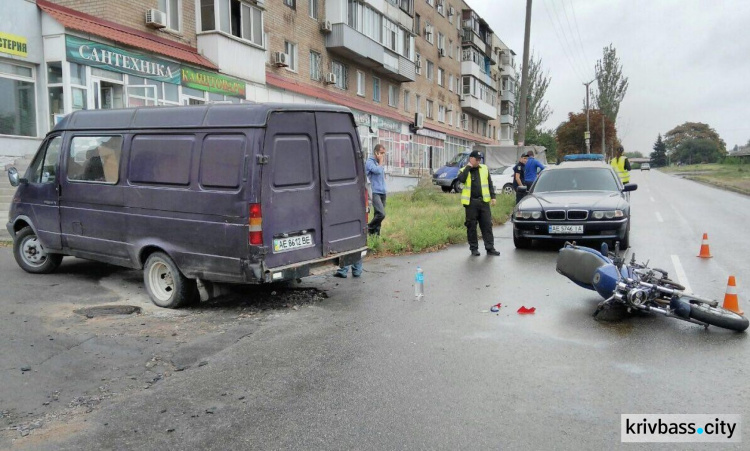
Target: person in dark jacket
x,y
518,176
477,196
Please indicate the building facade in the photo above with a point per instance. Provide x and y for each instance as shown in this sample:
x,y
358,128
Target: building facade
x,y
423,77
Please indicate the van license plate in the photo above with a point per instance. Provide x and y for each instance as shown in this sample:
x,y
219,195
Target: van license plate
x,y
566,229
292,243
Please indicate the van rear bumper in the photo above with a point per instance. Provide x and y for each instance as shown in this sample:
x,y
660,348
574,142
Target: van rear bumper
x,y
313,267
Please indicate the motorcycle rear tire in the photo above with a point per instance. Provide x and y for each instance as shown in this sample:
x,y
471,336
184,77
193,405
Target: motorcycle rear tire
x,y
719,317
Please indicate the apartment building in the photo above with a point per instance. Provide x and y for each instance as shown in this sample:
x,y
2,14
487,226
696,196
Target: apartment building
x,y
423,77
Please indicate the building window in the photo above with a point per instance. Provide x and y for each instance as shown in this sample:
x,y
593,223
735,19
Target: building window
x,y
440,7
441,41
417,24
465,121
173,10
313,9
291,3
441,76
429,32
430,70
360,83
429,109
407,94
236,18
431,2
291,51
18,105
418,103
393,96
418,61
314,65
441,113
450,116
341,73
376,89
450,48
450,83
450,16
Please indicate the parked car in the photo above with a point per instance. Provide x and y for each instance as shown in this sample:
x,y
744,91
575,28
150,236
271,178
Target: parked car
x,y
645,167
582,201
194,195
446,176
502,180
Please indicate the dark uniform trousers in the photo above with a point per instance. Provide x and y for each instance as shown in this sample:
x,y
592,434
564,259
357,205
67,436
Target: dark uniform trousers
x,y
479,212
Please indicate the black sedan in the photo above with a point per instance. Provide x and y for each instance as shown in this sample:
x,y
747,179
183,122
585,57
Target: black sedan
x,y
577,201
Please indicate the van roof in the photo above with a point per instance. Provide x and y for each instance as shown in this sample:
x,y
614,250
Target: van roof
x,y
212,115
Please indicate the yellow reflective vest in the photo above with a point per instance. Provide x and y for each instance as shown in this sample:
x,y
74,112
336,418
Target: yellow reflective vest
x,y
484,179
618,164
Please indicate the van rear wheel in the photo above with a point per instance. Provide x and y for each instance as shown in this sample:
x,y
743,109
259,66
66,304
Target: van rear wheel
x,y
165,284
30,254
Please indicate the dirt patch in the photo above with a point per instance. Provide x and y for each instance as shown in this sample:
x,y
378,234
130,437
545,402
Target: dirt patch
x,y
107,310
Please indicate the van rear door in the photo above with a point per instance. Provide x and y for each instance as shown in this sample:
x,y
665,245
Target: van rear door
x,y
312,187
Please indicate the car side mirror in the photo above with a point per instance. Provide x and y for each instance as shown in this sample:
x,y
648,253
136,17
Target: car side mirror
x,y
16,179
521,189
629,187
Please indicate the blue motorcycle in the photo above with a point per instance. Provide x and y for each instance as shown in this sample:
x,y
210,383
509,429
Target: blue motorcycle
x,y
638,287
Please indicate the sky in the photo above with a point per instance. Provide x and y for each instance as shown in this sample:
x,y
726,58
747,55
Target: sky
x,y
685,60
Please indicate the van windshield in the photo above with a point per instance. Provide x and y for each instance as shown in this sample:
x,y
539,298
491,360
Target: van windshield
x,y
457,160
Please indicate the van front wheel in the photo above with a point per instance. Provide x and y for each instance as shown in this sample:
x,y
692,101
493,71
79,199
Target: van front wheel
x,y
165,283
30,254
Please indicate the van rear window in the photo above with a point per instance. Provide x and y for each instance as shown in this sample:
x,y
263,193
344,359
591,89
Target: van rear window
x,y
292,161
339,158
222,161
161,159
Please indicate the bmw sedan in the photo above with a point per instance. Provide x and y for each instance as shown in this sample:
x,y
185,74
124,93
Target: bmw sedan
x,y
578,201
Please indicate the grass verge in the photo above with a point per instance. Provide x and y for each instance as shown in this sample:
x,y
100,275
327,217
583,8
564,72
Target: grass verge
x,y
733,177
426,219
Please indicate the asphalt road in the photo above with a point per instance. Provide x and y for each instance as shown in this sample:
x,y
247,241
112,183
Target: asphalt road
x,y
369,367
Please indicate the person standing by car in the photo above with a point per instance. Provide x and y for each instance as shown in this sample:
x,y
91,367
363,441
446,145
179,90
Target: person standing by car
x,y
477,196
374,168
530,170
621,165
518,176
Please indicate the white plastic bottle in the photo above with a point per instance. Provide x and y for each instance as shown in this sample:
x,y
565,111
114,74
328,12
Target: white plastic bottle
x,y
419,284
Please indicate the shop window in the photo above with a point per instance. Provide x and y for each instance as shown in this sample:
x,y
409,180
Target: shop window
x,y
54,73
56,104
173,10
95,159
18,105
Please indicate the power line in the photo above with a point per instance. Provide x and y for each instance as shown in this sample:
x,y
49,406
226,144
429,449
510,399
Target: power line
x,y
575,20
565,50
568,42
580,44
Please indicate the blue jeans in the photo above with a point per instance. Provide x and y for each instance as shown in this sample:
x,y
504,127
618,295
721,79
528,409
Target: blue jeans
x,y
356,269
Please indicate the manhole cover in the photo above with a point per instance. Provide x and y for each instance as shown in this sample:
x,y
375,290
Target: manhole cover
x,y
105,310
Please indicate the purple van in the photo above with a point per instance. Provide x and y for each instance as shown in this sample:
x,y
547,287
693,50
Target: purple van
x,y
244,193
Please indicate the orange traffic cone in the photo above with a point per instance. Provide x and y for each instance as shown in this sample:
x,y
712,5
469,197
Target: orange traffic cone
x,y
705,251
730,299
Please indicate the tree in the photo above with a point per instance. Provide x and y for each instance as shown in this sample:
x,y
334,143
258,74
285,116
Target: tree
x,y
537,108
570,134
659,155
544,138
611,85
633,154
676,141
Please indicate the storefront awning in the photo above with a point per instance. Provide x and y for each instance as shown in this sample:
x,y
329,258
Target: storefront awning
x,y
76,20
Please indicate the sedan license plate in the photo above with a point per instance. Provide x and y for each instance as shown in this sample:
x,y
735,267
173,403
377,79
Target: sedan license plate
x,y
293,242
565,229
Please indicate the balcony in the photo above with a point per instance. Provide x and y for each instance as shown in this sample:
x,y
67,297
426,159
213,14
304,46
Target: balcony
x,y
233,55
506,119
477,107
345,41
473,69
508,95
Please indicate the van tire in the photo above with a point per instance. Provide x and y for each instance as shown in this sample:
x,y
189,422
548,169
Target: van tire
x,y
30,254
165,284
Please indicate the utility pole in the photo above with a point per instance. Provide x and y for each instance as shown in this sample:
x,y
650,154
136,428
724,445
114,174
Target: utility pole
x,y
524,78
588,128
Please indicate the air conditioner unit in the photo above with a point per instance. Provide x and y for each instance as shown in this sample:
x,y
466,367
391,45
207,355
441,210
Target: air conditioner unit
x,y
156,18
331,78
260,2
419,120
280,59
441,52
326,26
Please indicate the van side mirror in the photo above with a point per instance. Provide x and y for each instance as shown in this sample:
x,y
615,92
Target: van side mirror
x,y
15,179
629,187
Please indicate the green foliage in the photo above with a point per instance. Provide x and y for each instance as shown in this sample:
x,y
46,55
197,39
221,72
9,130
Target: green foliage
x,y
690,131
611,85
633,154
426,219
544,138
698,151
570,134
659,155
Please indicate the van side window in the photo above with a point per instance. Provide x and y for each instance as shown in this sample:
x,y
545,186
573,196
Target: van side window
x,y
161,159
95,159
44,167
222,161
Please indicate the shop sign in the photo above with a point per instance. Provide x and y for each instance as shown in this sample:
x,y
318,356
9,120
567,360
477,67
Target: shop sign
x,y
362,118
13,45
115,59
432,134
388,124
211,82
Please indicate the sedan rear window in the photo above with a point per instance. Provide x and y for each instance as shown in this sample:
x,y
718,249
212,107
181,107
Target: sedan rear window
x,y
580,179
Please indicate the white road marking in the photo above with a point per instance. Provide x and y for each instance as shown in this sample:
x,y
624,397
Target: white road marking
x,y
681,276
652,199
658,217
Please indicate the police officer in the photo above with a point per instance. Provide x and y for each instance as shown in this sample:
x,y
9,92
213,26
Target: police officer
x,y
476,197
621,165
518,176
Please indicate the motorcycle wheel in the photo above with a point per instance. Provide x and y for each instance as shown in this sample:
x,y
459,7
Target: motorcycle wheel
x,y
719,317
